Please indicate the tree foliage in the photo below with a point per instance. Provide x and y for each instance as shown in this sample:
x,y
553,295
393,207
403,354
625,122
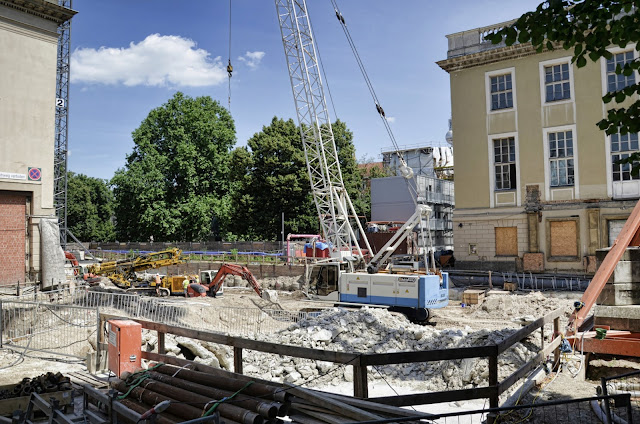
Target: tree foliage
x,y
175,184
589,28
89,208
270,178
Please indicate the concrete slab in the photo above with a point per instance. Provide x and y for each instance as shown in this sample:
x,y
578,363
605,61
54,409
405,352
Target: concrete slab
x,y
619,294
626,272
618,317
631,254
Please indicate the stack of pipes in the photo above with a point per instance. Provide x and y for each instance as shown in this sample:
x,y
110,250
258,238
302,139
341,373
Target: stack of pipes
x,y
237,399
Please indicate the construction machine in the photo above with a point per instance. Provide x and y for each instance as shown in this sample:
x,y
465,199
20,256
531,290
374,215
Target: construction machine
x,y
215,284
122,272
347,276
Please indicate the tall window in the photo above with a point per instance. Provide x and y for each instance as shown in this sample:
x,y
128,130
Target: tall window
x,y
561,158
504,150
622,145
556,80
501,92
618,81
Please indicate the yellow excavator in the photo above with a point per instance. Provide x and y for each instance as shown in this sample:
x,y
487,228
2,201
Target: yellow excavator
x,y
122,272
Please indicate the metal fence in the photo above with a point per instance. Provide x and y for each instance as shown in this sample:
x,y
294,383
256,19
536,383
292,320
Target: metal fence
x,y
628,383
66,330
192,314
565,411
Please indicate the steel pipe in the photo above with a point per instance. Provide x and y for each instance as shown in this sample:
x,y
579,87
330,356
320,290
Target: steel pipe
x,y
151,398
268,410
162,418
226,410
223,381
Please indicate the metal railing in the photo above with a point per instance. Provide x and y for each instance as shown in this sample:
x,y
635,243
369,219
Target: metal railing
x,y
565,411
66,330
629,384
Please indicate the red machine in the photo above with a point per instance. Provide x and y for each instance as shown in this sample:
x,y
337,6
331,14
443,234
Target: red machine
x,y
125,339
232,269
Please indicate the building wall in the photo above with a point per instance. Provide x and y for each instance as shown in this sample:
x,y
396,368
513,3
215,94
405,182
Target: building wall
x,y
566,224
27,116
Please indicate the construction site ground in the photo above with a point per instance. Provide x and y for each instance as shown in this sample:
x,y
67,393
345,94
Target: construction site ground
x,y
500,311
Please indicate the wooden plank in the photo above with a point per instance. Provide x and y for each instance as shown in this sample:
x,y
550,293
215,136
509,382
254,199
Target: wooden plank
x,y
437,397
333,404
531,364
428,355
526,331
493,380
237,360
161,343
506,241
563,235
279,349
360,383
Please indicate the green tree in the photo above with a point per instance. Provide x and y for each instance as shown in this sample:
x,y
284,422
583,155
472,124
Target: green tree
x,y
589,28
349,167
175,184
89,208
274,180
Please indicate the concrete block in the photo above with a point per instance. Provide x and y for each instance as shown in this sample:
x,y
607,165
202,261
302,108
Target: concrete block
x,y
533,262
626,272
621,324
626,312
619,294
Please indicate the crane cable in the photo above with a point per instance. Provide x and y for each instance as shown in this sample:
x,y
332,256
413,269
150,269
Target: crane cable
x,y
229,67
379,109
407,172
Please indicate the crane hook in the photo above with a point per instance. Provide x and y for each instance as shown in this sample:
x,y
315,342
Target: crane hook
x,y
229,68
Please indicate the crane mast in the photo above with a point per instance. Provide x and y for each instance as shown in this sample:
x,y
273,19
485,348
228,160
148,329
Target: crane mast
x,y
335,209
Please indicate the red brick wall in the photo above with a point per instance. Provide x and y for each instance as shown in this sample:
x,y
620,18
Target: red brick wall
x,y
12,238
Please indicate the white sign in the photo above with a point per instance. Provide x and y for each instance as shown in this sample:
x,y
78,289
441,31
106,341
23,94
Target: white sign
x,y
59,102
13,176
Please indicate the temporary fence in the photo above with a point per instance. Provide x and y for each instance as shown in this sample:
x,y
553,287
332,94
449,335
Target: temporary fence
x,y
60,329
192,314
629,384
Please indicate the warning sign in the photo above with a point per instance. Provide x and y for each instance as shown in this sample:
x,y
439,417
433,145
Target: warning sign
x,y
35,174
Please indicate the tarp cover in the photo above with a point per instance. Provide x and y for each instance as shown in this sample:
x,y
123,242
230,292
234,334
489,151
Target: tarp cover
x,y
51,254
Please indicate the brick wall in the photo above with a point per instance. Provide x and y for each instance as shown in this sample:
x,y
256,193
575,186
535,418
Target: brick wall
x,y
12,238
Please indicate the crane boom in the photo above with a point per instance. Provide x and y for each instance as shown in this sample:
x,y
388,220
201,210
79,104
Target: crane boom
x,y
335,209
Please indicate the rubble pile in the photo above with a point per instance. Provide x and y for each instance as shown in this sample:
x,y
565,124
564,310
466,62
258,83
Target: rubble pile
x,y
367,330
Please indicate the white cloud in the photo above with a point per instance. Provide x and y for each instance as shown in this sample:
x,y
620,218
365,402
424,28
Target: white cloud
x,y
252,59
158,60
390,119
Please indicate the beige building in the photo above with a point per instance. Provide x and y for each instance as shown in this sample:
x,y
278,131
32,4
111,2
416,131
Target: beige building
x,y
28,46
535,180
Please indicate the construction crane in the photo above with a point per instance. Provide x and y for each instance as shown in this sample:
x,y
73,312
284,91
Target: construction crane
x,y
122,272
342,278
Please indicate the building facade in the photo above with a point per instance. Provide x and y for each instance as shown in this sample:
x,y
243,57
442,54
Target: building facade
x,y
537,187
28,41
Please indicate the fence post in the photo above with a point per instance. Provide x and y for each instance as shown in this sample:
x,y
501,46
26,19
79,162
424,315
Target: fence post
x,y
237,360
98,332
360,384
1,323
556,352
493,379
161,348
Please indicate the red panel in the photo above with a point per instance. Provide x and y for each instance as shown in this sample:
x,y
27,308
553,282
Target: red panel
x,y
13,211
125,339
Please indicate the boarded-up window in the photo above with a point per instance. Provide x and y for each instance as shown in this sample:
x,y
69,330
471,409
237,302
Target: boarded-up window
x,y
564,238
615,226
506,241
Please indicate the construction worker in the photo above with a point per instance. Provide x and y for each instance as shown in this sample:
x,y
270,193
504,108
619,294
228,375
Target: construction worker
x,y
185,285
157,278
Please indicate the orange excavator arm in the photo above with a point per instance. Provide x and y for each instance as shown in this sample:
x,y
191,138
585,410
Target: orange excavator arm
x,y
629,236
233,269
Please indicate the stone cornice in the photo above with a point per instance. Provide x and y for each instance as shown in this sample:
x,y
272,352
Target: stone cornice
x,y
486,57
41,8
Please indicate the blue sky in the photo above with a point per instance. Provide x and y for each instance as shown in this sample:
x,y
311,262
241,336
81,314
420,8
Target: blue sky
x,y
131,56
